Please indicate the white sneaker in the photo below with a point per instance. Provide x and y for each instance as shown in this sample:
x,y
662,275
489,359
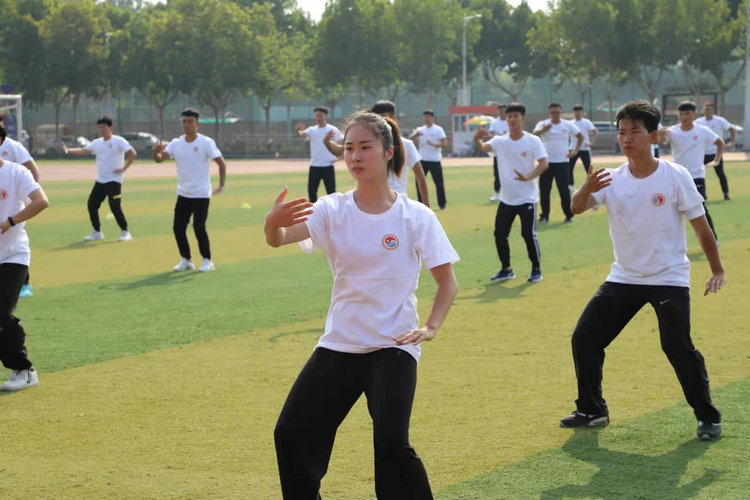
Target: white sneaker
x,y
495,197
20,379
94,236
184,265
206,266
125,236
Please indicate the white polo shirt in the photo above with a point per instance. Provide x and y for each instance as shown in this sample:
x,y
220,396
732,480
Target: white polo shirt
x,y
647,224
375,260
16,184
433,134
586,127
718,125
520,155
689,147
110,155
12,150
411,157
193,165
319,154
556,139
499,127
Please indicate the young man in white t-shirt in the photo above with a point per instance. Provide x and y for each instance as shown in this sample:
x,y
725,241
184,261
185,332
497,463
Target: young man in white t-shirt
x,y
432,139
556,134
689,144
193,153
498,127
647,203
521,158
110,171
412,159
13,151
720,126
321,160
589,132
17,184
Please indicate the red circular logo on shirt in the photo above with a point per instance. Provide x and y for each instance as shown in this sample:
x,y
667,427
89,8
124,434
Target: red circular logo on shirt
x,y
524,154
3,194
695,137
195,148
390,242
658,199
5,153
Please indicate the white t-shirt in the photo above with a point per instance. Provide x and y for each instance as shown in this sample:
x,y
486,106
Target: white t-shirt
x,y
719,125
193,165
520,155
109,157
319,154
12,150
499,127
16,184
585,126
689,147
647,224
556,139
411,157
433,134
375,260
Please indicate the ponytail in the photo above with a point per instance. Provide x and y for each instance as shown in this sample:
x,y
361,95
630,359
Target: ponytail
x,y
396,163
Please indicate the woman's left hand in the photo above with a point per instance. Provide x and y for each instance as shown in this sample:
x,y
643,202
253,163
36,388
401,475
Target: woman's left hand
x,y
416,336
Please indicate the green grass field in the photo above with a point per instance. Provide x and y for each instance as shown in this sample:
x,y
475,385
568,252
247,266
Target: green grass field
x,y
162,385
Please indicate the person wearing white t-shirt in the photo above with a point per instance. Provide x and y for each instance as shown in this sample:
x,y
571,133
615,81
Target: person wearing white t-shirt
x,y
432,139
689,144
376,241
498,127
521,158
13,151
587,128
399,182
555,134
647,203
720,127
192,153
17,184
321,160
114,155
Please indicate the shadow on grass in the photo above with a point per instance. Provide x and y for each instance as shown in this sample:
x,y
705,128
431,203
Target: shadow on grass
x,y
696,256
308,331
161,279
496,291
630,475
77,245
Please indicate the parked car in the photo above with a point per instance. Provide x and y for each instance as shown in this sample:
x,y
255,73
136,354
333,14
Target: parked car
x,y
606,139
52,148
142,142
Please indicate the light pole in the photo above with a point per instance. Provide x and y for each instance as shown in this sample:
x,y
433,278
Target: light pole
x,y
465,89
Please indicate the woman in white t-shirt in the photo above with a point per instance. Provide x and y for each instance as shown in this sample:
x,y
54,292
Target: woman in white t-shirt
x,y
375,240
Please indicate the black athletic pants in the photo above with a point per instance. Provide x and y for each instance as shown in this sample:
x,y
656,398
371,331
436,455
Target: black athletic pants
x,y
611,308
585,157
436,168
326,389
506,214
316,174
496,173
719,169
560,172
12,335
183,209
700,184
113,191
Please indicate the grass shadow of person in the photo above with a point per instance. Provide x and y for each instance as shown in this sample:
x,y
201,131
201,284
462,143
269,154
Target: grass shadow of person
x,y
77,245
630,475
160,279
493,292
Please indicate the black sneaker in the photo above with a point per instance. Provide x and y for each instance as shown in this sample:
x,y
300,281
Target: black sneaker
x,y
578,419
503,275
536,275
726,197
708,431
543,218
568,220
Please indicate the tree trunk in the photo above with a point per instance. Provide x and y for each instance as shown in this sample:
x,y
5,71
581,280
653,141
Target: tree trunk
x,y
161,119
267,110
76,99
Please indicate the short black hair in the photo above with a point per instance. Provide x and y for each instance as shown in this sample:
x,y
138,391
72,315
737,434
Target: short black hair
x,y
3,132
106,120
322,109
639,110
502,105
383,106
686,106
709,104
429,112
577,107
554,105
515,107
191,112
